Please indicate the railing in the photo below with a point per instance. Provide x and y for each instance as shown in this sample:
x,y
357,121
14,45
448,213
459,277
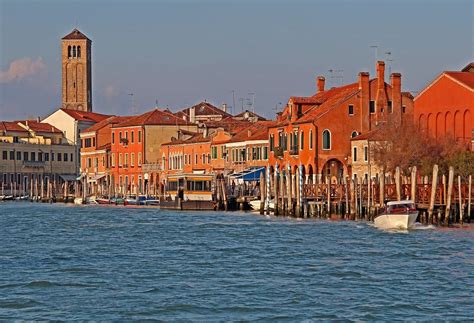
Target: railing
x,y
151,167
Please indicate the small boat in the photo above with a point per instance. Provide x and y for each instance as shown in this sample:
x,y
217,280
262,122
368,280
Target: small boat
x,y
398,215
255,204
78,200
101,200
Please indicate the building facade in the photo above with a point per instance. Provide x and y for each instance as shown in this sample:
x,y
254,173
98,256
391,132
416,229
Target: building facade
x,y
445,107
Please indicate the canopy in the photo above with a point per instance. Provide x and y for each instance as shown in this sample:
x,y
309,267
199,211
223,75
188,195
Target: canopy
x,y
68,178
250,174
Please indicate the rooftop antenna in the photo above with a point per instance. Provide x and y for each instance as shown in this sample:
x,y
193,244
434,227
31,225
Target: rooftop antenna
x,y
156,103
242,102
376,52
132,104
389,60
233,102
253,101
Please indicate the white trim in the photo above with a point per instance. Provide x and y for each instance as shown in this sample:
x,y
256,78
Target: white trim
x,y
84,134
330,139
88,153
245,143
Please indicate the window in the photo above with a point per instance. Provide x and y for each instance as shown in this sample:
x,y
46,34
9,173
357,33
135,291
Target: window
x,y
139,161
272,142
78,51
25,156
89,163
203,158
326,140
93,142
302,140
15,139
18,155
87,143
33,156
132,136
311,139
265,153
214,152
195,158
52,156
65,157
5,155
120,135
354,134
46,156
354,154
132,158
40,156
113,137
59,157
208,158
96,162
73,51
280,139
351,109
126,135
403,109
390,108
120,160
139,136
126,160
372,106
71,160
69,52
12,155
366,153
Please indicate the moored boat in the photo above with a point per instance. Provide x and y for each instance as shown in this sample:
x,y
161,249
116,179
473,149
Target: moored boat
x,y
398,215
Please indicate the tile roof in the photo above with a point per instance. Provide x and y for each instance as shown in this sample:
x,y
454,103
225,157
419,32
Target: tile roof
x,y
153,117
109,121
371,135
39,126
203,109
465,78
197,138
86,116
229,124
255,131
75,34
251,114
11,126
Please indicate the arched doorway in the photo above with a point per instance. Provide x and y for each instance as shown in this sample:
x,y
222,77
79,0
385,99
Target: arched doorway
x,y
334,169
310,174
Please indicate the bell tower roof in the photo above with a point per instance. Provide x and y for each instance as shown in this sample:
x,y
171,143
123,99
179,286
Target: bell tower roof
x,y
75,34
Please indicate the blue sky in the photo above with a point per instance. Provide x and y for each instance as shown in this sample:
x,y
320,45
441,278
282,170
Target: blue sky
x,y
182,52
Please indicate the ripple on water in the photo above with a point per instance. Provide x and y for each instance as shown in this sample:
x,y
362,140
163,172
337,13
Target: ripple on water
x,y
83,263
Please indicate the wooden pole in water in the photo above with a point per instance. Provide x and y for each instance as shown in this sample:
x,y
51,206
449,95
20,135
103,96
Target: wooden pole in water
x,y
382,188
282,210
397,183
369,192
346,184
450,193
445,199
289,209
328,181
413,184
277,197
297,193
434,185
268,193
353,199
262,192
461,221
469,192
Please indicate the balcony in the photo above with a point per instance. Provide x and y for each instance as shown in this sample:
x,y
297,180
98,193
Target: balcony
x,y
151,167
278,152
33,164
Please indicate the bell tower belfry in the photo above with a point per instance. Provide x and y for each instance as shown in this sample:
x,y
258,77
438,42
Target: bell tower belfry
x,y
76,87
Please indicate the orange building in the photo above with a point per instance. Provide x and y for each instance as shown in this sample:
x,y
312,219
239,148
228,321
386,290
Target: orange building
x,y
315,131
95,154
135,149
446,106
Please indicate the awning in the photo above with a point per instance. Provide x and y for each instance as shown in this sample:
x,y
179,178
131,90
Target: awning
x,y
68,178
95,178
250,174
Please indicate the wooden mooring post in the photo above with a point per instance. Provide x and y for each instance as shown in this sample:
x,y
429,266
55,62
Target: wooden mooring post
x,y
469,190
434,184
461,213
289,211
449,195
262,193
276,200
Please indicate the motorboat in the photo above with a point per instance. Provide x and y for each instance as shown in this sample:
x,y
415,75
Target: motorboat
x,y
398,215
101,200
255,205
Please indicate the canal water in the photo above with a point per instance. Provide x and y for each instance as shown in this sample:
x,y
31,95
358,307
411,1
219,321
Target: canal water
x,y
122,263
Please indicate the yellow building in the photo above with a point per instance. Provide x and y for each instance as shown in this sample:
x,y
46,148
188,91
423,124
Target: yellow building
x,y
33,152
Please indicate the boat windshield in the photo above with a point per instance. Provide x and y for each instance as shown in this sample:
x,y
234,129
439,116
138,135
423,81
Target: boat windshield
x,y
401,208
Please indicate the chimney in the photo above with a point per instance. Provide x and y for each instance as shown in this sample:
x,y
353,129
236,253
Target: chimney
x,y
364,97
205,132
396,83
192,115
320,80
224,107
363,80
380,74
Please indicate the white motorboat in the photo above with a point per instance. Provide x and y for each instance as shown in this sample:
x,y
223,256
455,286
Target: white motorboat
x,y
255,205
398,215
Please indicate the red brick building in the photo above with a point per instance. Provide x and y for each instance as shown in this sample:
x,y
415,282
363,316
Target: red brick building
x,y
135,149
315,131
445,107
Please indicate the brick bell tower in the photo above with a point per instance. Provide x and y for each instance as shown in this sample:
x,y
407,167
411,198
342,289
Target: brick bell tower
x,y
76,72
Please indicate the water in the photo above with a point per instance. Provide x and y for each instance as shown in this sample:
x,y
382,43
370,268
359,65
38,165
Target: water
x,y
121,263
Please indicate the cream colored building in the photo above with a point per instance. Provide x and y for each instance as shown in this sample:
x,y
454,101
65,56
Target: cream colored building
x,y
33,151
362,161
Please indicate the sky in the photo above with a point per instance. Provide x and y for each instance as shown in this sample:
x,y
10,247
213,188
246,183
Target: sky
x,y
181,52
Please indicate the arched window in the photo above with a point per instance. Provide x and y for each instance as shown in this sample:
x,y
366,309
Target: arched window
x,y
69,52
326,140
311,139
354,134
78,51
73,51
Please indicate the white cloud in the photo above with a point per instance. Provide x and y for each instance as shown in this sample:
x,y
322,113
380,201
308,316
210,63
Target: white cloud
x,y
110,91
22,68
